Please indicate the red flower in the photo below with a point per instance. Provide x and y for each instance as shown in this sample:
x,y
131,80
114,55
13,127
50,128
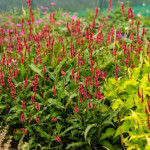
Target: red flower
x,y
98,95
44,69
25,82
73,74
54,119
58,139
63,73
89,105
76,109
139,94
32,99
22,118
23,106
60,59
37,106
24,131
37,120
54,91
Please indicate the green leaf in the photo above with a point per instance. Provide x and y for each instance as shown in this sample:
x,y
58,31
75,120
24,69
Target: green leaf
x,y
36,69
23,71
89,127
75,145
2,106
21,142
109,132
107,145
58,127
43,133
16,108
55,102
58,68
68,129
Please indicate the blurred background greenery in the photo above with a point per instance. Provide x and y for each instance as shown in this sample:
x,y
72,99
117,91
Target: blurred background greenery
x,y
139,6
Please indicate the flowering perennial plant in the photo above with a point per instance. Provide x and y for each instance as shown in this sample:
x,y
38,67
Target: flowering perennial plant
x,y
57,77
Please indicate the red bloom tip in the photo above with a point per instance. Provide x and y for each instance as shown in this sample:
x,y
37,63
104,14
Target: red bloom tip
x,y
54,91
37,120
58,139
54,119
76,109
24,131
63,73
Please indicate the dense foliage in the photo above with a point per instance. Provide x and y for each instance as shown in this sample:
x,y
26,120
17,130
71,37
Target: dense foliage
x,y
71,83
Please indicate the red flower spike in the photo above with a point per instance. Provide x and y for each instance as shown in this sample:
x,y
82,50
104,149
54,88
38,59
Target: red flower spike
x,y
54,119
73,74
76,109
37,119
54,91
122,7
26,82
24,131
32,99
63,73
23,106
22,117
58,139
89,105
148,78
37,106
139,94
146,111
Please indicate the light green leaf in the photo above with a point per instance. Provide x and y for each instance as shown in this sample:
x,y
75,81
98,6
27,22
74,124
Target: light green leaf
x,y
36,69
23,71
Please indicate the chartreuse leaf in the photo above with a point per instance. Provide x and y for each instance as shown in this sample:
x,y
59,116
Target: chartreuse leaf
x,y
147,63
136,73
134,146
123,128
89,127
116,104
36,69
75,145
